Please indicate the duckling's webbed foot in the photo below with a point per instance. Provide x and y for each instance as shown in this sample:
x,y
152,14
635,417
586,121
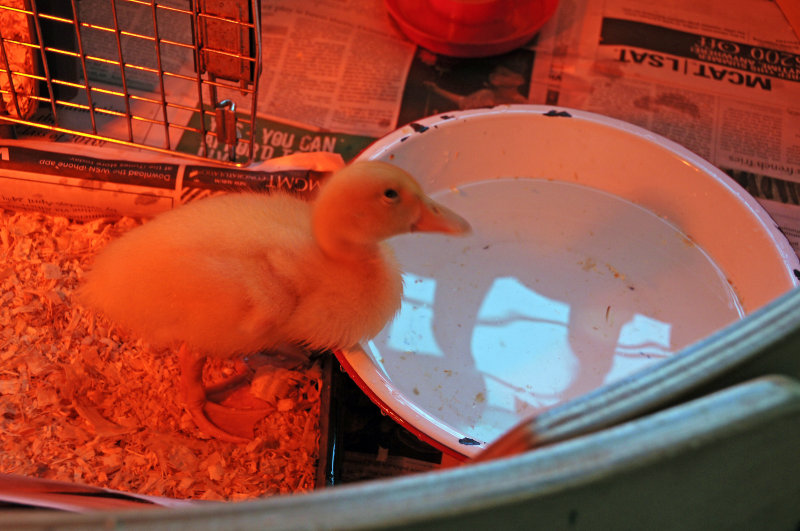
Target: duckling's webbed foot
x,y
222,422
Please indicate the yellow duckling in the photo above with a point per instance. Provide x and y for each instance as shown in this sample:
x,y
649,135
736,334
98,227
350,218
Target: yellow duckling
x,y
238,273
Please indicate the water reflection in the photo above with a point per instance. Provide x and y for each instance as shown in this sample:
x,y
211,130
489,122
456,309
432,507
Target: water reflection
x,y
559,290
519,356
413,332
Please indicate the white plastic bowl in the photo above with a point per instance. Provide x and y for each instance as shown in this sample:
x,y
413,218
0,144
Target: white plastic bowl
x,y
598,249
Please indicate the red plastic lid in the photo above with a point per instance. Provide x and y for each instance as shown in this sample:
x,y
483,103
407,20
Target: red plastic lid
x,y
471,28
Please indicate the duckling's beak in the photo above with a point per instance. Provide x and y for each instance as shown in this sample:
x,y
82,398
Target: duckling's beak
x,y
438,218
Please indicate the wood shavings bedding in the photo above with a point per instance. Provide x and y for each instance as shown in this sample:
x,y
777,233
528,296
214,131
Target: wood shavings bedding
x,y
80,401
18,90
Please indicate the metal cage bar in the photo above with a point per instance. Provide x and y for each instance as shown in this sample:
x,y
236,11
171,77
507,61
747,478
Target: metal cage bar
x,y
113,107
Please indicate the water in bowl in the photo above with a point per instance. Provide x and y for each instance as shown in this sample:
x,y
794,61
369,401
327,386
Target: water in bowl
x,y
560,289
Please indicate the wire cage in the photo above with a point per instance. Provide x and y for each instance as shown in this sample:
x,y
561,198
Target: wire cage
x,y
174,76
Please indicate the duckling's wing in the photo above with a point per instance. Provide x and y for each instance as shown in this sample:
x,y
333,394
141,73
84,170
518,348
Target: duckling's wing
x,y
215,274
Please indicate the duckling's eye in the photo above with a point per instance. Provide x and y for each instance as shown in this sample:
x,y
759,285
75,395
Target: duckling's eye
x,y
391,195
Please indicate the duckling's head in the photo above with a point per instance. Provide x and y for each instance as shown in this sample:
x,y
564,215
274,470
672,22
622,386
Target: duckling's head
x,y
369,201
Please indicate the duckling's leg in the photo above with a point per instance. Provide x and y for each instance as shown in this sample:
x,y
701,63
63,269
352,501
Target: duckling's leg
x,y
221,422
